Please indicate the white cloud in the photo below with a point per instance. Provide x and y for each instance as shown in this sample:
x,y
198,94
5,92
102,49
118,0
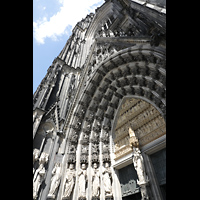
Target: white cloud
x,y
71,11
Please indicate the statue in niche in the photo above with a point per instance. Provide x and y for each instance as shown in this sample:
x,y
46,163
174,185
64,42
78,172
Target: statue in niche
x,y
37,179
55,180
107,180
82,174
36,153
138,163
39,174
95,181
69,181
139,166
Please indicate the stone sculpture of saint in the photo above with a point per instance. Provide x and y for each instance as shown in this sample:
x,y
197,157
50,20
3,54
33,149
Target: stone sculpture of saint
x,y
139,165
39,174
82,174
36,153
69,182
95,181
107,180
37,179
55,180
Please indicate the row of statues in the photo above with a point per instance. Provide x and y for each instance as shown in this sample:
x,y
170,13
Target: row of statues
x,y
70,177
82,176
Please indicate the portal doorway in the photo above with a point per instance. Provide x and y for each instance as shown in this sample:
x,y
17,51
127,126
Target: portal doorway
x,y
149,127
127,179
158,160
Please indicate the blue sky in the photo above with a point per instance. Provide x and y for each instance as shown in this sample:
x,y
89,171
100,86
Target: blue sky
x,y
53,21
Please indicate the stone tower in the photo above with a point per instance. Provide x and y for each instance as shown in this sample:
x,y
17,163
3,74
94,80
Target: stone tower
x,y
109,76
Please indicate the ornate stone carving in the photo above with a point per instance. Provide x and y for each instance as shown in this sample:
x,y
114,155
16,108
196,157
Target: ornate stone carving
x,y
133,140
39,174
55,180
72,153
85,139
74,138
105,137
95,182
95,153
106,152
69,182
139,167
36,153
124,150
144,119
38,179
82,176
95,138
107,176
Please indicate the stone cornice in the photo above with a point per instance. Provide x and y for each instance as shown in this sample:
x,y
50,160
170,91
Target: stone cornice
x,y
123,40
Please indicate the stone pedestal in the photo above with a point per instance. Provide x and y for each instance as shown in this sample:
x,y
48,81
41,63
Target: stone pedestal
x,y
51,197
82,198
66,198
95,198
109,198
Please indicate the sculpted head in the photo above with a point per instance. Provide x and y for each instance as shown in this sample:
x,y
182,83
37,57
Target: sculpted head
x,y
71,166
95,166
36,153
107,164
83,166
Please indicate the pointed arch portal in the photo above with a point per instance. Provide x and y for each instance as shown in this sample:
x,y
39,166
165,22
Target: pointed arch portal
x,y
109,79
132,78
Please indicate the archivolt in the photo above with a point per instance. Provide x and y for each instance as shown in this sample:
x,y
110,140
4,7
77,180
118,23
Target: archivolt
x,y
138,70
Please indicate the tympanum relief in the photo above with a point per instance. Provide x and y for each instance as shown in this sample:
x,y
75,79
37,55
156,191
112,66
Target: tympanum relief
x,y
145,120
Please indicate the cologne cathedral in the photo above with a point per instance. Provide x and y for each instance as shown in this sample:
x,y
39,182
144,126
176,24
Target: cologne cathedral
x,y
99,114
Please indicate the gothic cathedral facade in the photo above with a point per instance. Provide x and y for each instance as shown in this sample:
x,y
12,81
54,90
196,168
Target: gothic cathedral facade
x,y
99,114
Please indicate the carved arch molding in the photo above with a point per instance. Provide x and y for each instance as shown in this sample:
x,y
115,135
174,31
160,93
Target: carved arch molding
x,y
140,71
